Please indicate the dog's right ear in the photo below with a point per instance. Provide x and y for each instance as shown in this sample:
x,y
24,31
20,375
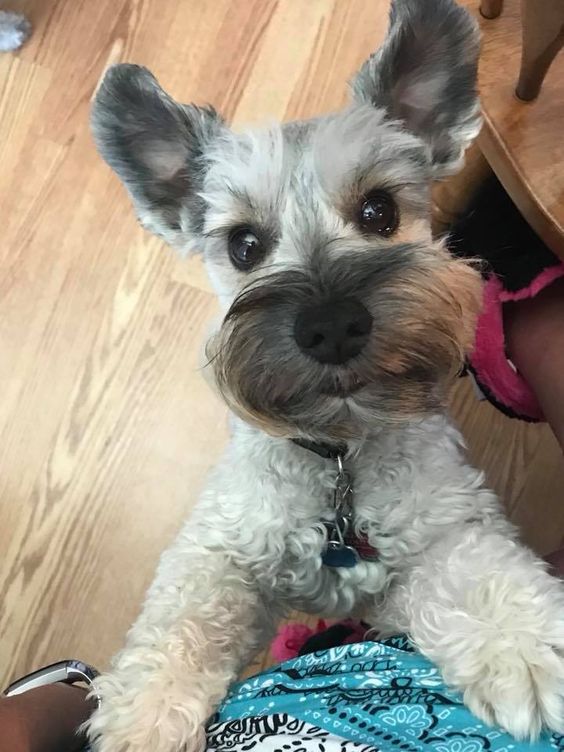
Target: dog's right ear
x,y
424,75
158,149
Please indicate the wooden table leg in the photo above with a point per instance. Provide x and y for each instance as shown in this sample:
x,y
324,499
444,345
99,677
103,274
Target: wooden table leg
x,y
491,8
543,36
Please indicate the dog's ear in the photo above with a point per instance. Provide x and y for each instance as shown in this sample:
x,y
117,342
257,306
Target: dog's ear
x,y
158,149
425,75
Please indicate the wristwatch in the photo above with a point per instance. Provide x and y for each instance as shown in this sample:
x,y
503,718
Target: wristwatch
x,y
68,672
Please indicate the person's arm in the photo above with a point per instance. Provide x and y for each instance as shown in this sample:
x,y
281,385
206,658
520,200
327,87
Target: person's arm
x,y
535,343
45,719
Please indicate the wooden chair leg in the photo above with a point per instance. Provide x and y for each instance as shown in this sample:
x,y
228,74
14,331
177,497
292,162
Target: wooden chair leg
x,y
491,8
543,37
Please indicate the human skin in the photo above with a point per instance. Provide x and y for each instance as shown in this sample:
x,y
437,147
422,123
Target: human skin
x,y
45,719
534,331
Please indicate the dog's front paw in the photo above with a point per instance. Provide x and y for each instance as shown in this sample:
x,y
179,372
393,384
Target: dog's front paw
x,y
520,686
508,656
154,716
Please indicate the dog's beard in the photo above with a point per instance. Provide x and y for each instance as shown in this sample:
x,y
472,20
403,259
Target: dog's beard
x,y
424,305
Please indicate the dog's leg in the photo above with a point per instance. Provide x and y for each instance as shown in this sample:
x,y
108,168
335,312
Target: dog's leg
x,y
202,621
484,609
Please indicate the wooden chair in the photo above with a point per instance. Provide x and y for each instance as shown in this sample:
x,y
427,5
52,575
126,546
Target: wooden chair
x,y
542,24
523,140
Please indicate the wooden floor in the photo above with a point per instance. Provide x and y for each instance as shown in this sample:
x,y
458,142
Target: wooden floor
x,y
523,140
106,427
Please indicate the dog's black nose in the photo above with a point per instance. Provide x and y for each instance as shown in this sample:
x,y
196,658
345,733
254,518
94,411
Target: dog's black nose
x,y
333,332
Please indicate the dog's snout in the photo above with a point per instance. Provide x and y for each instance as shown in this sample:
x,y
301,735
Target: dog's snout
x,y
333,332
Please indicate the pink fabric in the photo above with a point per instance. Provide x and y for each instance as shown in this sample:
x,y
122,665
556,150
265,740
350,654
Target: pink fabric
x,y
293,636
490,362
489,359
544,279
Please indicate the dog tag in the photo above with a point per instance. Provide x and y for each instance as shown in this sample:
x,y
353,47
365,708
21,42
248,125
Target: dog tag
x,y
337,555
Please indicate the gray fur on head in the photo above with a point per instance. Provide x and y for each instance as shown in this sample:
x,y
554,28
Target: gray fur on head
x,y
299,190
417,297
425,75
157,147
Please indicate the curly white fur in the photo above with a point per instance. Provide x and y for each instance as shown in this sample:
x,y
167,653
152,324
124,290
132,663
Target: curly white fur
x,y
451,573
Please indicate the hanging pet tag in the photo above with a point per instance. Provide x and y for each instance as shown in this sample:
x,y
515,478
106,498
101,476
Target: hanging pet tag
x,y
337,553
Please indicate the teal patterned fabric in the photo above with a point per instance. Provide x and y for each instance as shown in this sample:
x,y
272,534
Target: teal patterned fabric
x,y
379,695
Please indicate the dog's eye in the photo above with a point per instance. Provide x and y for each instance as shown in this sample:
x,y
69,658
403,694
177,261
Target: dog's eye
x,y
379,214
245,249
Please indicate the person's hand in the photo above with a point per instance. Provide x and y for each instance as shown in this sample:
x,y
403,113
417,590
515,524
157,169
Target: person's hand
x,y
45,719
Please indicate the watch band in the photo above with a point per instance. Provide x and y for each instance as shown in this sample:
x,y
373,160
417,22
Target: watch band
x,y
68,672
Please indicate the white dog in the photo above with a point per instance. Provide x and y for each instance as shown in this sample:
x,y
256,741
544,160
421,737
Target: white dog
x,y
344,325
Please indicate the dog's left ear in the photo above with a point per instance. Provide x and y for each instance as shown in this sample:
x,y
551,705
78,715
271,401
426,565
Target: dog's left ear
x,y
158,148
425,75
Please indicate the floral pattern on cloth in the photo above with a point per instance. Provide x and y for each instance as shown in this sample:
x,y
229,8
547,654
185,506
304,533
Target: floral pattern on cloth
x,y
380,696
278,733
